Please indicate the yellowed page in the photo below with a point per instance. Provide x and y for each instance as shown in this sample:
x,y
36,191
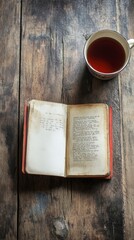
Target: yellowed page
x,y
87,143
46,138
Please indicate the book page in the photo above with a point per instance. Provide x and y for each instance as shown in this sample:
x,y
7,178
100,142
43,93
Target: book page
x,y
87,144
46,138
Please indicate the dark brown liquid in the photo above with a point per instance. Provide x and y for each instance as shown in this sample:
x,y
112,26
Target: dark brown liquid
x,y
106,55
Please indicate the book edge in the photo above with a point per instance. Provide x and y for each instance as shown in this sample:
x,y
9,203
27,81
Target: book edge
x,y
110,142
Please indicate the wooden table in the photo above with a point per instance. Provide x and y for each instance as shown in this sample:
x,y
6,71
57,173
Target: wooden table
x,y
42,58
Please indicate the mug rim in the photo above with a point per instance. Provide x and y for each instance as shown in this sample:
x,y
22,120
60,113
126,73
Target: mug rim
x,y
108,73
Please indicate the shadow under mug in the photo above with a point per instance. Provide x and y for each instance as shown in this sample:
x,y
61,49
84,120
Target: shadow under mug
x,y
97,48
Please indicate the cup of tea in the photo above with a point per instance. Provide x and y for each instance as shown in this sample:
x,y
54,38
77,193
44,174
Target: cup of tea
x,y
107,53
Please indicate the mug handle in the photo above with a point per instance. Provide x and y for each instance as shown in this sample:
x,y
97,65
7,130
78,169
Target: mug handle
x,y
131,43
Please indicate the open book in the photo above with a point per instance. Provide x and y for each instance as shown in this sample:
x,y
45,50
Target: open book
x,y
67,140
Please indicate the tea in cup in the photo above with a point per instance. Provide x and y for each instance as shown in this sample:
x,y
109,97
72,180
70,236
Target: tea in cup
x,y
107,53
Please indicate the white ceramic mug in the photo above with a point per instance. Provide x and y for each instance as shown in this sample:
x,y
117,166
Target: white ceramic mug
x,y
116,37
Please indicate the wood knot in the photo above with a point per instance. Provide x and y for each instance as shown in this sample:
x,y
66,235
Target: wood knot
x,y
59,228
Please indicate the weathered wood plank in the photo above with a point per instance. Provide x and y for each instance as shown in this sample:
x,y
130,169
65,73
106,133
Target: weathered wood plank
x,y
126,11
53,68
9,86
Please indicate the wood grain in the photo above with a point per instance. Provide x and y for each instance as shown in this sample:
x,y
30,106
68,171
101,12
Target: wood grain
x,y
9,87
127,115
53,68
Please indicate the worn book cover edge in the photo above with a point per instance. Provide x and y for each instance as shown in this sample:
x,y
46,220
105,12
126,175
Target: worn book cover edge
x,y
25,130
